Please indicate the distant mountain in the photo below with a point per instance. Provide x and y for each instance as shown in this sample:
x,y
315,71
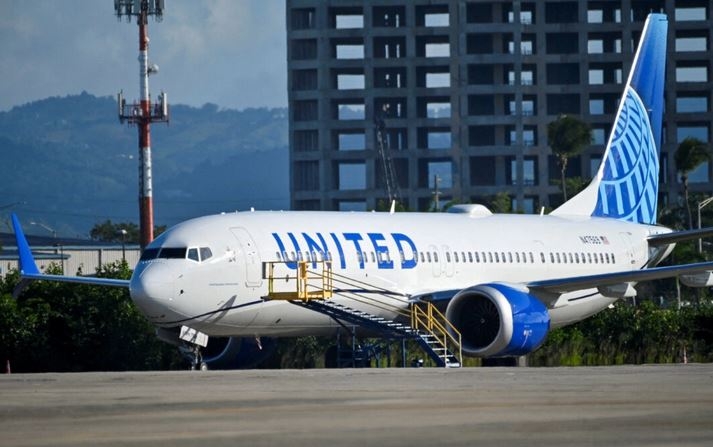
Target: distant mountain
x,y
73,165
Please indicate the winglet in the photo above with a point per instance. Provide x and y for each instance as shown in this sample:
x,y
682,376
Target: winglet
x,y
27,261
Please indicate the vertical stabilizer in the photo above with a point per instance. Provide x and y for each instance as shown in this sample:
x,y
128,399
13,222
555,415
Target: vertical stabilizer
x,y
626,185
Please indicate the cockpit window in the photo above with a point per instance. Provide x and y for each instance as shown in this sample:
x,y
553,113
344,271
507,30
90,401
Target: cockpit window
x,y
173,253
193,254
205,253
149,253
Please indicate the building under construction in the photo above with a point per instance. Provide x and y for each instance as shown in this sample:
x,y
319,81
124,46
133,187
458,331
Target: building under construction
x,y
460,93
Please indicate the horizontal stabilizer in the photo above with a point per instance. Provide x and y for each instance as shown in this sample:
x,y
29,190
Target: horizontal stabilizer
x,y
679,236
29,271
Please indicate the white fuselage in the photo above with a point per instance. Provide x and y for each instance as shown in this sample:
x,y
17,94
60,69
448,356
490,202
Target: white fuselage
x,y
406,254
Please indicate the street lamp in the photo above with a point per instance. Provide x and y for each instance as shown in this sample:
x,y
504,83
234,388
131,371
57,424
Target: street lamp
x,y
702,204
123,233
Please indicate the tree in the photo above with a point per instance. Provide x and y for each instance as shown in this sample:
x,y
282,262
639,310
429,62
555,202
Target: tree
x,y
689,155
122,232
567,136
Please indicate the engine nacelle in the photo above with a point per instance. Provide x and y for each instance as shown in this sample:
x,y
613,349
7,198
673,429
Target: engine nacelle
x,y
498,320
702,279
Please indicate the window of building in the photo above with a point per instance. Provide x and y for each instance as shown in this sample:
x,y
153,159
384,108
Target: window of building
x,y
390,77
699,43
350,81
389,16
305,110
306,175
690,13
437,139
304,79
349,50
595,46
389,47
349,21
302,18
351,205
438,109
700,132
351,176
482,171
306,140
692,74
437,50
438,80
441,171
481,135
692,104
350,111
479,43
304,49
596,106
351,140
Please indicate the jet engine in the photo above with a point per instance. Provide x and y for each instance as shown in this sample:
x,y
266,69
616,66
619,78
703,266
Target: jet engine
x,y
498,320
237,352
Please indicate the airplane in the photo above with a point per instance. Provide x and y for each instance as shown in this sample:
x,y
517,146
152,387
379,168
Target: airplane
x,y
504,280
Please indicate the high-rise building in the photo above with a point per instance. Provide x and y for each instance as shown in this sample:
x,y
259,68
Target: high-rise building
x,y
463,92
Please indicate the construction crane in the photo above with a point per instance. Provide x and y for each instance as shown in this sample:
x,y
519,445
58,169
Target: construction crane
x,y
391,184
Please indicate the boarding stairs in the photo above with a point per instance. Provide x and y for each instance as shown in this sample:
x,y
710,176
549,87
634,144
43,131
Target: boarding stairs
x,y
421,322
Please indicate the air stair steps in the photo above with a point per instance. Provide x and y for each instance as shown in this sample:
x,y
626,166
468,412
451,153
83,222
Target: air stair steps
x,y
433,347
314,288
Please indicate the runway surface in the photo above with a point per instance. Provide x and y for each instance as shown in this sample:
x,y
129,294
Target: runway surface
x,y
614,406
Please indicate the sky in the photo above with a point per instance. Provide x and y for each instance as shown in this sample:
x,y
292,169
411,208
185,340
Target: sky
x,y
228,52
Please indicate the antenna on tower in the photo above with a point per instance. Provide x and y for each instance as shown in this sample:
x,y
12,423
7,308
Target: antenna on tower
x,y
143,113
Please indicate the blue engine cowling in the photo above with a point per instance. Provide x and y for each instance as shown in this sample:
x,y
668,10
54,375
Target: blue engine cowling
x,y
237,352
498,320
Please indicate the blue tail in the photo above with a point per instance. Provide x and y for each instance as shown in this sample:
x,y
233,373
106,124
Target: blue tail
x,y
626,185
27,261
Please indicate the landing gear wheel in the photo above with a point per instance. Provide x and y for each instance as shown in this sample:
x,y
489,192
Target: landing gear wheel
x,y
204,366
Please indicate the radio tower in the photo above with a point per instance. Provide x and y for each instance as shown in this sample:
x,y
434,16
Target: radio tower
x,y
143,113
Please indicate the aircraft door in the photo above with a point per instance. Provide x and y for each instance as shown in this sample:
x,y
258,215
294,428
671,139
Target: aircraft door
x,y
447,261
431,257
250,257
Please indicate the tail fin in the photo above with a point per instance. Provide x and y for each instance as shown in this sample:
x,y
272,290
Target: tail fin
x,y
626,185
27,261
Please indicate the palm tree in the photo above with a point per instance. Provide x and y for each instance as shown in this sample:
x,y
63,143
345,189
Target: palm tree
x,y
690,154
567,136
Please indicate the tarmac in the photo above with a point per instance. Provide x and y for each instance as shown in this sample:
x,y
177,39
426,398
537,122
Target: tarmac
x,y
653,405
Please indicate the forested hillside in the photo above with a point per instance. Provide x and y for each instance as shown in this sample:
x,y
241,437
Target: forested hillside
x,y
71,164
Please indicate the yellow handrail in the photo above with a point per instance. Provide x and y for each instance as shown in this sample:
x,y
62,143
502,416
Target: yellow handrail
x,y
305,289
435,323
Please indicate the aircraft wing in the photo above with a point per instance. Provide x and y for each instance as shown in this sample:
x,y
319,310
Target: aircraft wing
x,y
30,272
571,284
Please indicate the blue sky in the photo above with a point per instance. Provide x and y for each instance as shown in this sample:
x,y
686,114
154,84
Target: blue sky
x,y
228,52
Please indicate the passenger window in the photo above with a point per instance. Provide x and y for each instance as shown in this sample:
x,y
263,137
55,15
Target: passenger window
x,y
542,257
497,258
428,254
373,258
470,257
206,253
455,256
510,257
448,256
613,260
532,258
552,258
423,258
435,256
193,254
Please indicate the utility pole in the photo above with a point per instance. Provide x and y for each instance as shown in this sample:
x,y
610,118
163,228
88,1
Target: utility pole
x,y
436,193
143,113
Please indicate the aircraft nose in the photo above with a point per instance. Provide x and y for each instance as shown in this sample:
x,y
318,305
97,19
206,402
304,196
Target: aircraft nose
x,y
152,289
